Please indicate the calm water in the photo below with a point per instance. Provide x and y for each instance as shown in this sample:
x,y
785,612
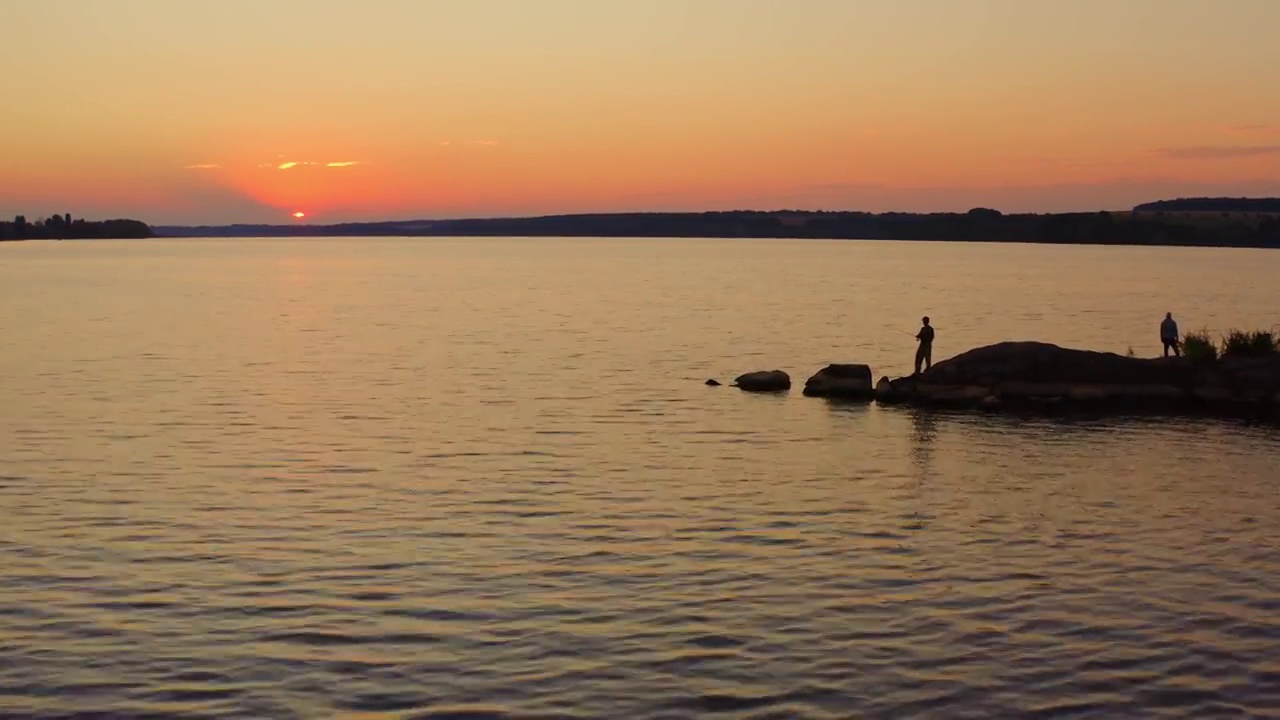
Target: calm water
x,y
483,479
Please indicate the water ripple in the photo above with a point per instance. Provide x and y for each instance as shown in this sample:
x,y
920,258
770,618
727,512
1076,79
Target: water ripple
x,y
483,479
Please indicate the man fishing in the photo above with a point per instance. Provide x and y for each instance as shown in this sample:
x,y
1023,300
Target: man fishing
x,y
924,353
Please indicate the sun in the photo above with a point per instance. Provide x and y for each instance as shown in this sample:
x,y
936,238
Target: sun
x,y
299,215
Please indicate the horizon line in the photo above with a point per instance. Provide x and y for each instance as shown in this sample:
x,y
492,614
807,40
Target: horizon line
x,y
777,211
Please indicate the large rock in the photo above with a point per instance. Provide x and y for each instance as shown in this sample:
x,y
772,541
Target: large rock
x,y
952,394
1036,374
1045,364
847,382
763,381
1254,378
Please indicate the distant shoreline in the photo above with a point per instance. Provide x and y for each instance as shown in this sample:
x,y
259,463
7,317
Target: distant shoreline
x,y
1192,222
63,227
1253,228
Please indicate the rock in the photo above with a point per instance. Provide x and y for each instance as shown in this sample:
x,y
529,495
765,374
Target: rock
x,y
1045,364
1149,392
893,391
1254,395
1045,375
1049,377
952,394
1051,404
1089,393
1212,393
763,381
848,382
1253,376
713,382
1022,389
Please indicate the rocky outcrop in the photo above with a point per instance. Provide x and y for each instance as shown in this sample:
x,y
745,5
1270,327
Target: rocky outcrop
x,y
763,381
1026,374
845,382
1045,377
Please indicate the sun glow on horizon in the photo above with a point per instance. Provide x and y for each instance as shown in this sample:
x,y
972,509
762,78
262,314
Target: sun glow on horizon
x,y
299,215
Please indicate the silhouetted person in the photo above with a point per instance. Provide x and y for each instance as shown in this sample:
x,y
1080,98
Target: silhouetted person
x,y
924,353
1169,335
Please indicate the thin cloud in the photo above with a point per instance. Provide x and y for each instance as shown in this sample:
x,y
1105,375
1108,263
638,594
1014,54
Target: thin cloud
x,y
203,166
1099,164
1254,129
487,143
290,164
1215,152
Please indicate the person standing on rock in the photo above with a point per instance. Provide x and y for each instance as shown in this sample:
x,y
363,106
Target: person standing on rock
x,y
1169,335
924,353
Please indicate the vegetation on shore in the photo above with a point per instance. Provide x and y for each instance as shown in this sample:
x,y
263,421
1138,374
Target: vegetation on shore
x,y
1199,346
1265,206
63,227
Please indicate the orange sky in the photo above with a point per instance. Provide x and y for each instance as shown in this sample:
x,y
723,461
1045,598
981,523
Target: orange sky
x,y
185,112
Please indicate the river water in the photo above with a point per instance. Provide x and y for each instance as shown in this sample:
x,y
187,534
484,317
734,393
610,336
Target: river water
x,y
482,478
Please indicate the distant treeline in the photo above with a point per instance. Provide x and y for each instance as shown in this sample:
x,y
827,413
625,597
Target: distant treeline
x,y
977,225
1218,205
62,227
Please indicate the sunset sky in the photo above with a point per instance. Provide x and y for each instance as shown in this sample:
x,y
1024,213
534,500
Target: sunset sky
x,y
252,110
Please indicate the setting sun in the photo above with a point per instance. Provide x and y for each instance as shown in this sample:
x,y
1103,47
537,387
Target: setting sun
x,y
299,214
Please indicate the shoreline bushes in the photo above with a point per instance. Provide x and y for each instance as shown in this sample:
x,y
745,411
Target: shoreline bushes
x,y
1199,346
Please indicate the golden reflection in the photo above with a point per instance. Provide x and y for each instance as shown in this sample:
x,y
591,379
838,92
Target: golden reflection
x,y
924,431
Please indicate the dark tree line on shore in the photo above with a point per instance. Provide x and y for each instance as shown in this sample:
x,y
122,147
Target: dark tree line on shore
x,y
1211,205
63,227
1212,222
977,225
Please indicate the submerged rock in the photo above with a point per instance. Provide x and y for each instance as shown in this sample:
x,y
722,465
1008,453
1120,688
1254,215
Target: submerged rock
x,y
848,382
713,382
763,381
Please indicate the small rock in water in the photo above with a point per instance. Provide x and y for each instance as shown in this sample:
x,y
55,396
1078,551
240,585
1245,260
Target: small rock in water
x,y
713,382
764,381
852,382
